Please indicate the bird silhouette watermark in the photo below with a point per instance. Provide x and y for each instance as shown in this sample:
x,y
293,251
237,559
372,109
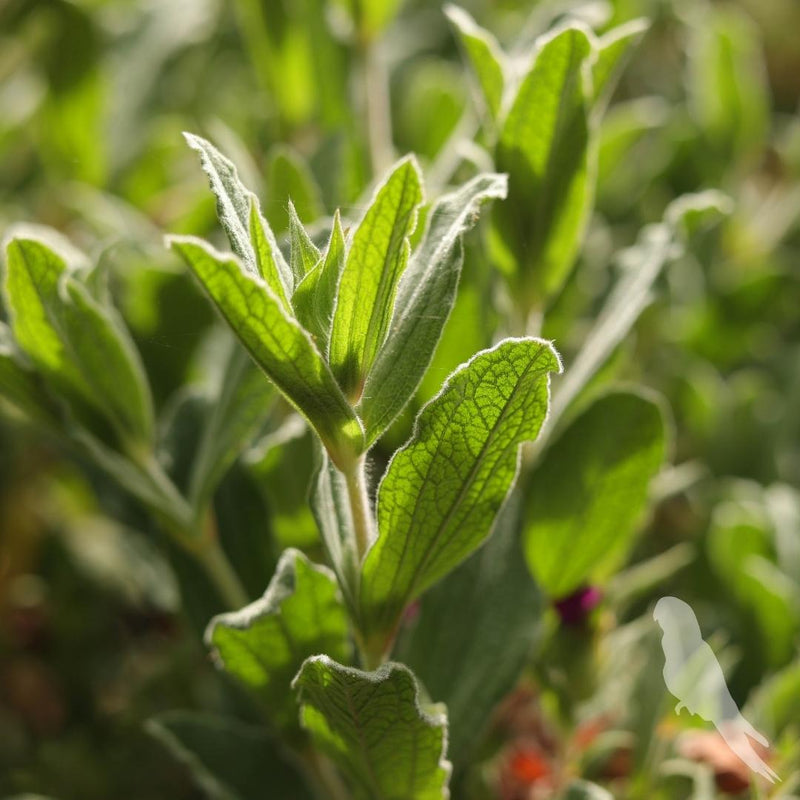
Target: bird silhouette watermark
x,y
693,675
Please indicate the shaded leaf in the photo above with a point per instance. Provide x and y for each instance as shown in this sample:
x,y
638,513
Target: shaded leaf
x,y
587,494
372,726
439,497
288,177
473,635
228,759
264,644
613,51
304,253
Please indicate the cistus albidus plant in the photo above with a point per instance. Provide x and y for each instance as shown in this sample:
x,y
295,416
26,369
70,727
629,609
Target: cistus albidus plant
x,y
372,664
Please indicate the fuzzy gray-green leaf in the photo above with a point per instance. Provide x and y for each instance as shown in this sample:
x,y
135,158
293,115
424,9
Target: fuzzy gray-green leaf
x,y
315,297
439,497
264,644
277,343
235,204
425,298
372,726
377,257
74,340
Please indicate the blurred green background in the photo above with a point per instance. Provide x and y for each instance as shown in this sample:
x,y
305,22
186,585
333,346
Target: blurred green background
x,y
94,95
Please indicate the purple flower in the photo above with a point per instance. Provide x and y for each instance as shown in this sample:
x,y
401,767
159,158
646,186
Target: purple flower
x,y
576,607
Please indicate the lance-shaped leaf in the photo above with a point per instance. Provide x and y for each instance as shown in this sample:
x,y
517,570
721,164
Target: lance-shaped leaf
x,y
76,342
277,343
484,55
588,493
304,253
238,210
377,257
315,296
265,643
228,759
544,147
372,726
613,50
425,298
441,492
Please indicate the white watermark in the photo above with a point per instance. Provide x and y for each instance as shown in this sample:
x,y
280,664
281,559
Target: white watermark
x,y
693,675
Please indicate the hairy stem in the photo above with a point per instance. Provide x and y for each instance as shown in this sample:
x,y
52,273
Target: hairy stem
x,y
363,523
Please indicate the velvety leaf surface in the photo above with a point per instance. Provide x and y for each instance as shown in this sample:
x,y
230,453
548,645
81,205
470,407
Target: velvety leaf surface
x,y
441,492
473,634
264,644
372,726
544,146
315,296
278,344
304,253
76,342
228,759
425,298
377,257
239,214
587,494
484,55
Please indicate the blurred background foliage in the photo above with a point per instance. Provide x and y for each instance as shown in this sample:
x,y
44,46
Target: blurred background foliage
x,y
99,626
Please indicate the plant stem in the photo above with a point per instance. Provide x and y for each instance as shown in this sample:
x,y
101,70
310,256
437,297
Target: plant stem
x,y
222,574
375,106
327,784
363,524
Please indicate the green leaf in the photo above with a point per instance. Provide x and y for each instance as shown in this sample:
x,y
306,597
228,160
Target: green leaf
x,y
484,55
288,176
239,214
267,255
240,406
377,257
657,245
372,726
315,296
439,497
21,388
425,298
277,343
330,505
265,643
728,86
75,341
473,635
304,253
544,147
228,759
587,495
614,49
